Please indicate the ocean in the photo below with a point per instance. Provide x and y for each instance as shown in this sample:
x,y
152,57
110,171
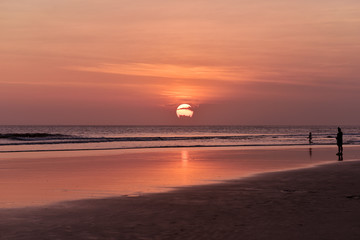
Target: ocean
x,y
72,138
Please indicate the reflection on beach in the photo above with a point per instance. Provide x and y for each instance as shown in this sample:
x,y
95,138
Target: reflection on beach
x,y
48,179
184,157
185,170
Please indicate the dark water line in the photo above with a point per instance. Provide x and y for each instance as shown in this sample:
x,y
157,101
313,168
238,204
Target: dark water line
x,y
75,140
126,139
164,147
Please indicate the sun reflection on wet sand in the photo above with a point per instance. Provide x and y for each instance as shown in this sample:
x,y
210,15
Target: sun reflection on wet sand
x,y
42,180
184,158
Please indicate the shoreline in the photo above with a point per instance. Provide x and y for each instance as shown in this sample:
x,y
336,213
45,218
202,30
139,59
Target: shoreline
x,y
120,151
321,202
256,146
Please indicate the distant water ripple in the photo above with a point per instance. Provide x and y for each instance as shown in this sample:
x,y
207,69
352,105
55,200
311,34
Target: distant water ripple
x,y
65,138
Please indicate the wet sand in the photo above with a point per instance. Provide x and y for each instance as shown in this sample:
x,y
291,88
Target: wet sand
x,y
35,179
321,202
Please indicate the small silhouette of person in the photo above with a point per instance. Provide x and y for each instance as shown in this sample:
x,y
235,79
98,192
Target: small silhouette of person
x,y
310,138
339,141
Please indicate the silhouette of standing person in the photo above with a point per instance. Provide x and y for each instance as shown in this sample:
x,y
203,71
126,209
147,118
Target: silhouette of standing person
x,y
339,141
310,138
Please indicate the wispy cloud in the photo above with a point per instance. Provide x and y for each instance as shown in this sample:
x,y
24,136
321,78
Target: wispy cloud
x,y
166,71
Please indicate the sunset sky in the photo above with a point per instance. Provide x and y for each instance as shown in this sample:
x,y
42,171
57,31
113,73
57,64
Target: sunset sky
x,y
134,61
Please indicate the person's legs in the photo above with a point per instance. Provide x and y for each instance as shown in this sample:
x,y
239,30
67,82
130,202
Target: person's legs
x,y
339,150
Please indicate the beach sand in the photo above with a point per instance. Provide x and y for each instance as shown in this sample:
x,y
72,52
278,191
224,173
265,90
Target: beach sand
x,y
321,202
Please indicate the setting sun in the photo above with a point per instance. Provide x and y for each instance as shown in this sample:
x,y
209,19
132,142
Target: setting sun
x,y
184,110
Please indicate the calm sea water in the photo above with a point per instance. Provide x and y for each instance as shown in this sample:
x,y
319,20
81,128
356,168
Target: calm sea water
x,y
49,138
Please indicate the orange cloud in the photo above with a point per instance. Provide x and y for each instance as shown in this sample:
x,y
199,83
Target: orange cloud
x,y
166,71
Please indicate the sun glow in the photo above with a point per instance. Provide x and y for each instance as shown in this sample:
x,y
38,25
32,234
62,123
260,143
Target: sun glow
x,y
184,110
